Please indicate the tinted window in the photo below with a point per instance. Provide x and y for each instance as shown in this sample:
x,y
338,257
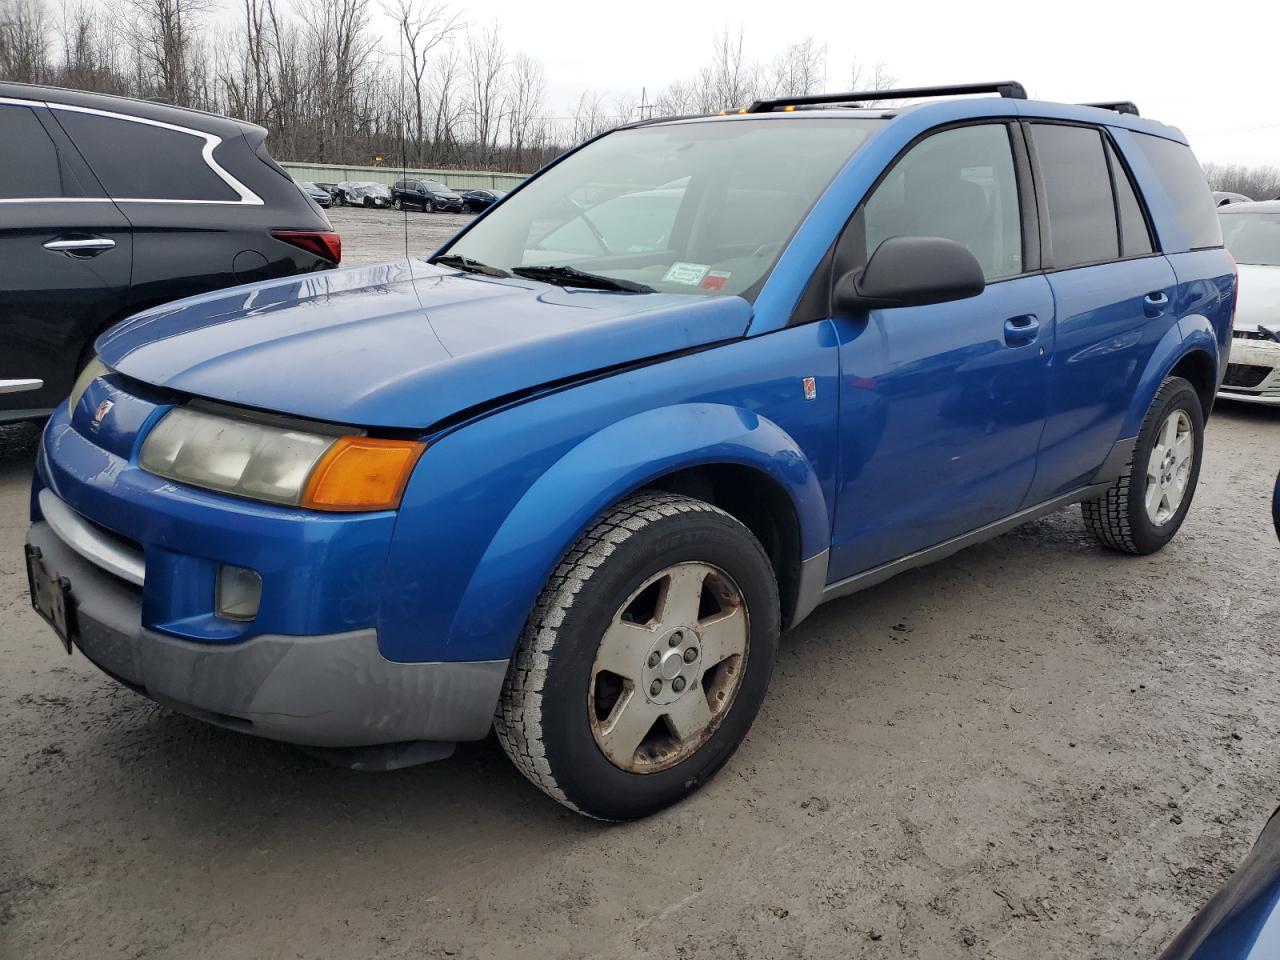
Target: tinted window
x,y
1184,183
1077,186
140,161
28,160
959,184
1253,237
1135,237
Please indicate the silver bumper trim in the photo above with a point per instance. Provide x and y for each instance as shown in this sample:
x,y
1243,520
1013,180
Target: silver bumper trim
x,y
90,542
20,386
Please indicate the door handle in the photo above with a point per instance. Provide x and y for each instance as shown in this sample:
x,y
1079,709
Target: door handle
x,y
1153,303
81,247
1019,331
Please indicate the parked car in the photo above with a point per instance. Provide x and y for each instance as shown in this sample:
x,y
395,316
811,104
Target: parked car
x,y
1242,920
1252,234
473,201
317,193
362,193
1224,198
577,493
427,195
109,206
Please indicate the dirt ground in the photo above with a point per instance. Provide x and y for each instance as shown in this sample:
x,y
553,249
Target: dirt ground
x,y
1032,749
372,236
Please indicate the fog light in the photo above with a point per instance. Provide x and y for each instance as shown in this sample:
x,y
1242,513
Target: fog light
x,y
239,592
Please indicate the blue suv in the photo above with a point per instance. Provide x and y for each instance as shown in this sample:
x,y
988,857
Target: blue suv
x,y
572,476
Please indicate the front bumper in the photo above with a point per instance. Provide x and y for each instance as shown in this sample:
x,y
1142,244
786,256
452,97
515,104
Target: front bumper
x,y
333,690
1253,374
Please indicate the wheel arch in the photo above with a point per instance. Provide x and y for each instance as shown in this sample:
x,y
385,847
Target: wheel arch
x,y
1188,349
748,465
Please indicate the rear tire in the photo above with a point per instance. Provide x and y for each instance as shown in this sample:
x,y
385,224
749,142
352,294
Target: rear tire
x,y
645,659
1145,506
396,204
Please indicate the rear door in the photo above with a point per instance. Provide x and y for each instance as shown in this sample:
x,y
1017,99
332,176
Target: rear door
x,y
942,406
1114,294
65,260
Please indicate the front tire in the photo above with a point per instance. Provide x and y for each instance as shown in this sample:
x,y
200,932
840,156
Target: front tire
x,y
645,659
1145,507
396,204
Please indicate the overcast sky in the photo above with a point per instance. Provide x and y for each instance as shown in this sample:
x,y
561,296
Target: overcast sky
x,y
1211,69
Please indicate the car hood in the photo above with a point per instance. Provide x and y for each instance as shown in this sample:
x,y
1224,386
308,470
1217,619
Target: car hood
x,y
402,344
1258,300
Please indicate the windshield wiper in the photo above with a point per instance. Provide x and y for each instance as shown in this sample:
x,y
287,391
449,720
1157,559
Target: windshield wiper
x,y
573,277
468,265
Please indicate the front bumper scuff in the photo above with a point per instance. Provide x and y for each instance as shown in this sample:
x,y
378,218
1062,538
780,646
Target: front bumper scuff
x,y
333,690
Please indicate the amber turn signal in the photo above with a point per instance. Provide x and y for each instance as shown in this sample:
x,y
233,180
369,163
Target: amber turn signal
x,y
362,473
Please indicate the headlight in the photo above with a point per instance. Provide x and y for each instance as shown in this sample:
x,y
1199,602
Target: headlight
x,y
94,369
277,463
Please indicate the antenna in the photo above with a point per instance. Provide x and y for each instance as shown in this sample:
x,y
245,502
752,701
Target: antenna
x,y
404,150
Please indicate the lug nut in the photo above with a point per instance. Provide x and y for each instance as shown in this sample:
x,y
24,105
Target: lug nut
x,y
676,638
677,684
655,688
691,655
654,658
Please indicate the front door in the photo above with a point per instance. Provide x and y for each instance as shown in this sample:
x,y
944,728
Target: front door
x,y
942,406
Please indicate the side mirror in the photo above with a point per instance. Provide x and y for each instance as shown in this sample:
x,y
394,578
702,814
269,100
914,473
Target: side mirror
x,y
911,272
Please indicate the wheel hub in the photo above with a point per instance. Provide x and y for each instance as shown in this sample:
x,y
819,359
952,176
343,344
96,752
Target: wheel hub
x,y
673,666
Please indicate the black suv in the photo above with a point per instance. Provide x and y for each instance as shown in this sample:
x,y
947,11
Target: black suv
x,y
427,195
109,206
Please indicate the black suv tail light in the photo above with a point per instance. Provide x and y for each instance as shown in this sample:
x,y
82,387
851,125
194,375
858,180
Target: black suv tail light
x,y
323,243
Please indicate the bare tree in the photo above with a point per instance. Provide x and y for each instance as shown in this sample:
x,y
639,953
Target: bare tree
x,y
423,25
485,62
800,69
1260,183
24,40
163,35
526,100
874,77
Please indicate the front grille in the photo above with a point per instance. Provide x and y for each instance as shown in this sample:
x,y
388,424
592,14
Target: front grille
x,y
1246,375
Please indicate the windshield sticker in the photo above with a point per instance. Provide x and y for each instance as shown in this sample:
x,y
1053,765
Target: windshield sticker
x,y
690,274
715,279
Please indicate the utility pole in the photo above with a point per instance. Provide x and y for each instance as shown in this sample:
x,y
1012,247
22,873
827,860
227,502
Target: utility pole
x,y
646,108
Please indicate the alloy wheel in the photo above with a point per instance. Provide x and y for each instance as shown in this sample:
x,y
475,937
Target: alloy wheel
x,y
668,667
1169,468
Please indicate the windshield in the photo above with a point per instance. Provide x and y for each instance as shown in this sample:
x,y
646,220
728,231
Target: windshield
x,y
703,207
435,186
306,185
1252,237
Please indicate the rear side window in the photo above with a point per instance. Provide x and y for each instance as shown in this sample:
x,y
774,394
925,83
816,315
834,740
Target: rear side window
x,y
139,161
1077,186
29,164
1135,237
958,184
1184,182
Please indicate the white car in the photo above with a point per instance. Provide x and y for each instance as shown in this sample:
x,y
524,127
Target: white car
x,y
1251,232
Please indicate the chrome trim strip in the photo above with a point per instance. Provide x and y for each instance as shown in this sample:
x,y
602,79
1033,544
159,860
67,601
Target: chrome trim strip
x,y
89,542
96,243
869,578
20,386
211,142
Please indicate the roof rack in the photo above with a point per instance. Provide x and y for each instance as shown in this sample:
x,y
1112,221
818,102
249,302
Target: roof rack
x,y
1119,106
1005,88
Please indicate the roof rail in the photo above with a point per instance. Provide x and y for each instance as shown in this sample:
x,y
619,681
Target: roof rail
x,y
1119,106
1005,88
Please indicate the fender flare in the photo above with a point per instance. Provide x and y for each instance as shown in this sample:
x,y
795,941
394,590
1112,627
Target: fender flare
x,y
1190,334
603,469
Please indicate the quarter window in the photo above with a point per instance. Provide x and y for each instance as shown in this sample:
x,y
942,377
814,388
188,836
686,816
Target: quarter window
x,y
29,162
958,184
139,161
1186,188
1077,185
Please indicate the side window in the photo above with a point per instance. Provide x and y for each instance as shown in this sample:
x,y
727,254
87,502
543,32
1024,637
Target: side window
x,y
29,163
958,184
138,161
1077,186
1135,237
1185,185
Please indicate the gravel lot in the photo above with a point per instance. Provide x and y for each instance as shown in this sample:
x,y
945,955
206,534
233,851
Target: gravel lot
x,y
373,236
1032,749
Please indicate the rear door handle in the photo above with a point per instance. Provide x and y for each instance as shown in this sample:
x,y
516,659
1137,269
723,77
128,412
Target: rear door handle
x,y
1019,331
81,246
1153,303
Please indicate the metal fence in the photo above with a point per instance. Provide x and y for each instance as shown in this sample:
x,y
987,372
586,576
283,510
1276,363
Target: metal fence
x,y
458,179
